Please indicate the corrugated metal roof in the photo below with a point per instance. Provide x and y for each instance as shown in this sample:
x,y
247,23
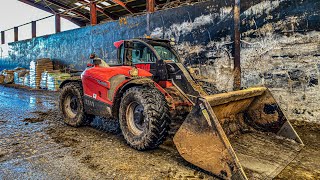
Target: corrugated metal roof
x,y
78,11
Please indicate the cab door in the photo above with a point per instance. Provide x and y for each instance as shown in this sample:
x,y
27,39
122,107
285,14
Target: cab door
x,y
143,57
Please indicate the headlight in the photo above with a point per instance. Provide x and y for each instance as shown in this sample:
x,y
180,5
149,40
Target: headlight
x,y
172,42
134,72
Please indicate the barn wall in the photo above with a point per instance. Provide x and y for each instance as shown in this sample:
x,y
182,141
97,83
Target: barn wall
x,y
192,27
279,38
281,49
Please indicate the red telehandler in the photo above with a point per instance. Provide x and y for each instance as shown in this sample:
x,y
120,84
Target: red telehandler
x,y
235,135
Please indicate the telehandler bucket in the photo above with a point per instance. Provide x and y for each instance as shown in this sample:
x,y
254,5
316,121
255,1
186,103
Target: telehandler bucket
x,y
238,135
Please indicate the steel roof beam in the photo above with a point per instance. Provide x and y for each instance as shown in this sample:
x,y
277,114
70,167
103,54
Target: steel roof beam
x,y
66,8
122,4
108,14
36,5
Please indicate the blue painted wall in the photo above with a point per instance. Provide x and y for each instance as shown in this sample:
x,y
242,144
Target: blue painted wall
x,y
197,24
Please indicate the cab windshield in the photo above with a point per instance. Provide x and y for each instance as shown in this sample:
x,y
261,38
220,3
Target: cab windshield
x,y
165,53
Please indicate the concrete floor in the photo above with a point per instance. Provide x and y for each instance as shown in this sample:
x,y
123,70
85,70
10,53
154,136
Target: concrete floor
x,y
36,144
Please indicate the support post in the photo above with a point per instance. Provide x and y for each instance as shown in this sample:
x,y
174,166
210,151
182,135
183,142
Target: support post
x,y
34,29
93,13
150,6
16,34
3,40
58,23
236,47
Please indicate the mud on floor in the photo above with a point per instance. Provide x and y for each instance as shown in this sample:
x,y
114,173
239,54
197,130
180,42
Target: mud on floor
x,y
33,120
40,116
103,150
57,151
307,164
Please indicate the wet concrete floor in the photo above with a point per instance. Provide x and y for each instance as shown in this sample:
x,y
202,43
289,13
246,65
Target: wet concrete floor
x,y
36,144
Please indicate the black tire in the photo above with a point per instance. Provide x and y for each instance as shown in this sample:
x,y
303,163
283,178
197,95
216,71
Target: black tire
x,y
71,105
153,129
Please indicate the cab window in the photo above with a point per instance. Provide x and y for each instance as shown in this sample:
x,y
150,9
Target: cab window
x,y
142,54
165,53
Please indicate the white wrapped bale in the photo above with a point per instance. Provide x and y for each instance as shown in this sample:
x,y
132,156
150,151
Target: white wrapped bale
x,y
36,69
55,79
32,74
27,80
16,77
44,78
19,76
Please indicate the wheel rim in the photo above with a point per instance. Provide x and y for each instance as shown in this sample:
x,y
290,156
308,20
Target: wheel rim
x,y
135,118
71,106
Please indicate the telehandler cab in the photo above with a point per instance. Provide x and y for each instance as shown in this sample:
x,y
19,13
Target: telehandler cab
x,y
235,135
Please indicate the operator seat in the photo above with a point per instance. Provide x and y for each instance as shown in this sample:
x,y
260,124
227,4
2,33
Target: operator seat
x,y
100,62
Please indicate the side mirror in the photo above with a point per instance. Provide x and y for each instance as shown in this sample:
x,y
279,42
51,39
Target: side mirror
x,y
92,56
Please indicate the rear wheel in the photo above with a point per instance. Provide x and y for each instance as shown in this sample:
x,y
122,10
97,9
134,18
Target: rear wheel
x,y
71,105
143,117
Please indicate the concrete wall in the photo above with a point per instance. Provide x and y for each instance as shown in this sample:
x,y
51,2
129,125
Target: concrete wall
x,y
281,49
280,46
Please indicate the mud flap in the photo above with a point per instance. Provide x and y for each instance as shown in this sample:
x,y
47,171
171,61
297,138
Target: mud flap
x,y
238,135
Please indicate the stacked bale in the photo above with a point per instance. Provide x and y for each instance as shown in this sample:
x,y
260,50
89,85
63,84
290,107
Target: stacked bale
x,y
19,76
26,81
44,78
9,76
55,79
36,69
1,79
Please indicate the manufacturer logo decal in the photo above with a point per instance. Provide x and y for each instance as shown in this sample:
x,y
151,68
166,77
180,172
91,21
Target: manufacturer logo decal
x,y
102,83
88,102
94,96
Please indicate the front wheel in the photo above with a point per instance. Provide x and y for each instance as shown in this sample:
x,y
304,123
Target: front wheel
x,y
71,105
144,118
